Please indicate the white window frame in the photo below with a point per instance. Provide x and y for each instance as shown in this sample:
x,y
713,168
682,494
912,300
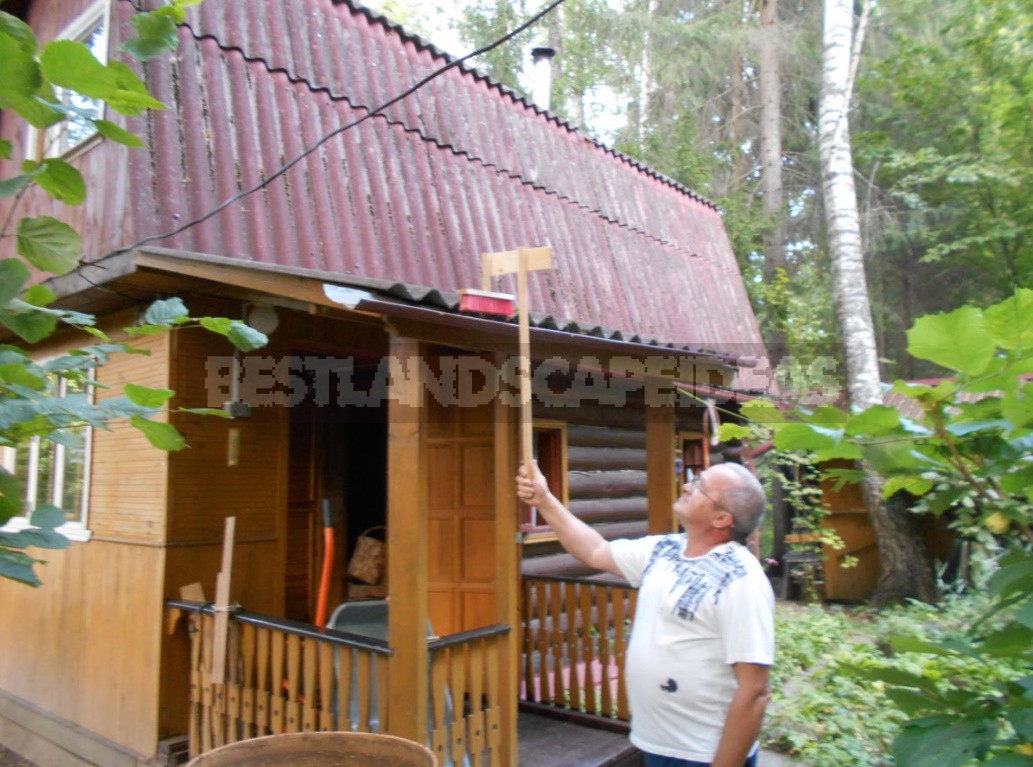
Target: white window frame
x,y
45,142
75,529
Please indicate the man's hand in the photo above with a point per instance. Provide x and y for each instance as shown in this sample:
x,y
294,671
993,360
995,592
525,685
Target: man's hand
x,y
532,488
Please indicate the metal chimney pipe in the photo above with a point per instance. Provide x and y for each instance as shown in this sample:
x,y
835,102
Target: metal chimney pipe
x,y
542,75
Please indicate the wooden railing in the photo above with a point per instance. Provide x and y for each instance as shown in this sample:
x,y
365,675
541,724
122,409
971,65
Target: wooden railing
x,y
281,676
284,676
465,703
575,634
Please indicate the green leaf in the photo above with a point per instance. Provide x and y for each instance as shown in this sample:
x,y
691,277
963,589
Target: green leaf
x,y
1010,323
166,313
802,436
220,325
17,565
1011,641
903,643
48,244
13,274
874,421
47,516
62,182
20,76
147,397
132,97
31,326
212,411
5,149
912,484
156,35
943,740
245,337
957,340
1022,720
20,32
39,295
762,411
163,436
909,701
1009,760
11,493
70,64
118,134
731,431
11,186
42,539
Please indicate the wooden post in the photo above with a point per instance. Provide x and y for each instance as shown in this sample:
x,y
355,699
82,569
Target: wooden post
x,y
222,604
507,526
407,554
660,455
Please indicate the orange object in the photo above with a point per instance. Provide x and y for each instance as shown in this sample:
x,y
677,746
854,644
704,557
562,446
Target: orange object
x,y
328,565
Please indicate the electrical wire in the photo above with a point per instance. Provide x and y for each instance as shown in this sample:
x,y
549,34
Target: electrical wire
x,y
336,132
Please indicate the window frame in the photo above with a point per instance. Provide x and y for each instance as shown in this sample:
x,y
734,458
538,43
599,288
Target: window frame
x,y
555,468
75,529
41,143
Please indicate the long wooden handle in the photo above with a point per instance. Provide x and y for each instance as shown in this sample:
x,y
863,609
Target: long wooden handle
x,y
526,418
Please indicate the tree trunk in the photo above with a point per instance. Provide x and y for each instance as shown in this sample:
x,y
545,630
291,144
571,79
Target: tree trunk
x,y
770,82
905,566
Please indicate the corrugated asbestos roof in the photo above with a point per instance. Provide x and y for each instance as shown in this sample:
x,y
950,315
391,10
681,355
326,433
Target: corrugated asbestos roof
x,y
412,196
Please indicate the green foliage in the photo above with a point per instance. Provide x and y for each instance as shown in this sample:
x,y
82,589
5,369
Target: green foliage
x,y
969,458
31,405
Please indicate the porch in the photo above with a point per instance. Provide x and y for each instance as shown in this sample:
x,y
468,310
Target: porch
x,y
286,676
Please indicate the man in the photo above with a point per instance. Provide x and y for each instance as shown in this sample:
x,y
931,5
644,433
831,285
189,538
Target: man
x,y
702,643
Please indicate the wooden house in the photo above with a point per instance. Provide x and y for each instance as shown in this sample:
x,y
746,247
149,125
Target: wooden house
x,y
376,398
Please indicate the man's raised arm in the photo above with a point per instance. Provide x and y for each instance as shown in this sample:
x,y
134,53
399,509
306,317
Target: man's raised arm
x,y
580,540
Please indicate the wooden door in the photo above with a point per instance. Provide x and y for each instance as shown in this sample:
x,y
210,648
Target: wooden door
x,y
462,576
303,491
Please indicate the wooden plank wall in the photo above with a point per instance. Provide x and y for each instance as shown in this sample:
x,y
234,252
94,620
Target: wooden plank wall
x,y
85,647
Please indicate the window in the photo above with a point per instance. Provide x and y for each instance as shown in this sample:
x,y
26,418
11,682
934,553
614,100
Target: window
x,y
550,450
91,29
55,470
690,458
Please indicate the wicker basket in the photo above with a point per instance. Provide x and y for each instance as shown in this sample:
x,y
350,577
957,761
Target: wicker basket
x,y
368,559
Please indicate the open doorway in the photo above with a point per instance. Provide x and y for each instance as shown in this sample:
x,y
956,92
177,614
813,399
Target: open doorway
x,y
338,460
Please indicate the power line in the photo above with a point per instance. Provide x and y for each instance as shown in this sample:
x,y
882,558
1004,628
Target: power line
x,y
336,132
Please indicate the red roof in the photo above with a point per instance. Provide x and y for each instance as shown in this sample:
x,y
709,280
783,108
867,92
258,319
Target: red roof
x,y
415,195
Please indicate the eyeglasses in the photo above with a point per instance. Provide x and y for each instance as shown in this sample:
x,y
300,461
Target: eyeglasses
x,y
696,483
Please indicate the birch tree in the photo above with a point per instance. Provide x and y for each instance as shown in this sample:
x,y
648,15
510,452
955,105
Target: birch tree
x,y
905,567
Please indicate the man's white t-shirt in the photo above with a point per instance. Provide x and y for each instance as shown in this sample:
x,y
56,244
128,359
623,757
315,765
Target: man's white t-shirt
x,y
694,618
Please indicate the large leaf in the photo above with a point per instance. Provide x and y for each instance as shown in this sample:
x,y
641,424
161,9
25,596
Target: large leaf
x,y
245,337
1010,323
943,740
48,244
957,340
163,436
913,484
17,565
874,421
13,274
20,32
62,182
31,326
11,186
10,496
166,313
70,64
156,35
800,436
47,516
147,397
20,76
116,133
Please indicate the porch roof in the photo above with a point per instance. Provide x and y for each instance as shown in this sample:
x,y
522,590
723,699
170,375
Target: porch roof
x,y
134,277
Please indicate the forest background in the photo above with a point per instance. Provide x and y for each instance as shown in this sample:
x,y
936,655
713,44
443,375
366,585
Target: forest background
x,y
941,126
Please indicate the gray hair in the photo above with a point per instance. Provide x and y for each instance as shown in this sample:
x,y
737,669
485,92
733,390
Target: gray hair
x,y
745,501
